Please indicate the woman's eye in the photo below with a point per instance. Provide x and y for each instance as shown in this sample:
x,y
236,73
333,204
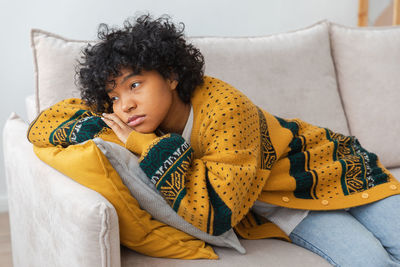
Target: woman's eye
x,y
114,98
134,85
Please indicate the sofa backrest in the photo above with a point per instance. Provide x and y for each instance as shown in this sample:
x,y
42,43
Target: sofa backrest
x,y
367,61
290,75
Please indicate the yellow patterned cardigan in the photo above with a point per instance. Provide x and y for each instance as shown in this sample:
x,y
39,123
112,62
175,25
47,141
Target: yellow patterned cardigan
x,y
238,154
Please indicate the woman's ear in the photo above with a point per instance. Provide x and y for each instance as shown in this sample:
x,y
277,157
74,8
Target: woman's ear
x,y
173,81
173,84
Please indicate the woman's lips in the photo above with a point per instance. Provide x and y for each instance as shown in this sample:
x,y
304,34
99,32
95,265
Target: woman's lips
x,y
136,120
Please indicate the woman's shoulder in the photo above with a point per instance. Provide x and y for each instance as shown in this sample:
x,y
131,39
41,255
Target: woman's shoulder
x,y
215,90
217,100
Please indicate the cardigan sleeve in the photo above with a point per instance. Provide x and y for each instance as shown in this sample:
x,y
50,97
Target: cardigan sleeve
x,y
137,142
215,187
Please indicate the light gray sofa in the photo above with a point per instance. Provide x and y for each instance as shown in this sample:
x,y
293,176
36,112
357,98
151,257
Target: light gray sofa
x,y
338,77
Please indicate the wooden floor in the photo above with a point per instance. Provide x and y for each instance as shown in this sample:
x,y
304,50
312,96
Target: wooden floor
x,y
5,241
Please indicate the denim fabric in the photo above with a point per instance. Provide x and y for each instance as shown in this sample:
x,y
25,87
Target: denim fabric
x,y
367,235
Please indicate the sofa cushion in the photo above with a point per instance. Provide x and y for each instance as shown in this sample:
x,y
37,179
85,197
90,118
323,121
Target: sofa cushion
x,y
289,74
144,191
138,230
368,62
30,108
55,60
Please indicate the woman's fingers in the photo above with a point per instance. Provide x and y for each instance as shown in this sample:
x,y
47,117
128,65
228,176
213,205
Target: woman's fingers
x,y
115,127
119,127
112,124
113,117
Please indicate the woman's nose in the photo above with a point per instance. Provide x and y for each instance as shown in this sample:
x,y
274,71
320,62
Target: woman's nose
x,y
128,104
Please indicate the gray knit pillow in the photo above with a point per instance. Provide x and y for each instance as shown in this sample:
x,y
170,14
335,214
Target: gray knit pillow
x,y
144,191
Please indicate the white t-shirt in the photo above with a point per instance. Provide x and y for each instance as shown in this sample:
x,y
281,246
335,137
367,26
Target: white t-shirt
x,y
287,219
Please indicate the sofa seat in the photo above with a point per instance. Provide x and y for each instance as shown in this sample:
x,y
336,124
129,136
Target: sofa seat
x,y
262,252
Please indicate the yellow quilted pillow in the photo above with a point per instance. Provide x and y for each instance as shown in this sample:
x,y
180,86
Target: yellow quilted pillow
x,y
87,165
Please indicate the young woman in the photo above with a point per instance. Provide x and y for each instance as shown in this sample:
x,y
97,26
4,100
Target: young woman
x,y
220,161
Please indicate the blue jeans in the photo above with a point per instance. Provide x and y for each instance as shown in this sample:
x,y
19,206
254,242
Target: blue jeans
x,y
367,235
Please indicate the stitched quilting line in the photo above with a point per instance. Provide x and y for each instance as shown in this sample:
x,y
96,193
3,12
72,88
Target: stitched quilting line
x,y
104,236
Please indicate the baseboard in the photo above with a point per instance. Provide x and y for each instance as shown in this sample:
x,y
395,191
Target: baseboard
x,y
3,203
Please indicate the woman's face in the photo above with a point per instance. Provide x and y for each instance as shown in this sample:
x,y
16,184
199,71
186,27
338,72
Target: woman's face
x,y
143,101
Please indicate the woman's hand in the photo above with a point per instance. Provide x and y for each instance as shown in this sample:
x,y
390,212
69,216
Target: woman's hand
x,y
119,127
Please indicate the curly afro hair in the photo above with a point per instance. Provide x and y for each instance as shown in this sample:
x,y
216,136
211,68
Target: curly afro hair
x,y
144,44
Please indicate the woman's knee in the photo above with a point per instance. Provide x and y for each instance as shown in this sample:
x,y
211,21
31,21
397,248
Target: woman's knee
x,y
382,218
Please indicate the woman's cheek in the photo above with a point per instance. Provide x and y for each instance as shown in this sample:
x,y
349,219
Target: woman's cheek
x,y
117,111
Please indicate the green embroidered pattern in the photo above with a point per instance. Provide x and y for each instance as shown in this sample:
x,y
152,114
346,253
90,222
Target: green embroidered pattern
x,y
166,164
82,126
305,187
268,154
360,169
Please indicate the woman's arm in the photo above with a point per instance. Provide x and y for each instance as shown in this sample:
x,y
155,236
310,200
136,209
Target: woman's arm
x,y
212,188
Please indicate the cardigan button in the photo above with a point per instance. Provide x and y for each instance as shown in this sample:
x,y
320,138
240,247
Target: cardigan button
x,y
325,202
285,199
393,187
364,195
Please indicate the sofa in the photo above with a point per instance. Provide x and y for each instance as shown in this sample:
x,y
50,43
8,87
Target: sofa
x,y
334,76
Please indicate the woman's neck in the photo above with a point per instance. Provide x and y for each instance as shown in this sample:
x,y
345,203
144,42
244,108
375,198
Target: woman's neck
x,y
178,116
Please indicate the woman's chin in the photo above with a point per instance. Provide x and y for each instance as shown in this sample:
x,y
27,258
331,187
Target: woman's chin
x,y
142,130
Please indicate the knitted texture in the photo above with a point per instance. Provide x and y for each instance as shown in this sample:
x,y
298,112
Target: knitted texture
x,y
240,153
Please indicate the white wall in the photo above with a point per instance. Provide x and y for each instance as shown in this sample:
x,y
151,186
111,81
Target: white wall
x,y
78,19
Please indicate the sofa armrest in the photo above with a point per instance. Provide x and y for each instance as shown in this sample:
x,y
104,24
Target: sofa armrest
x,y
54,220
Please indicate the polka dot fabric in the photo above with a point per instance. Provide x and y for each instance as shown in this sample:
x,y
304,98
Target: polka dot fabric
x,y
226,156
245,154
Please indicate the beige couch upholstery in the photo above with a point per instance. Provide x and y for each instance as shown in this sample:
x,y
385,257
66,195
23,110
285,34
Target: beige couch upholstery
x,y
337,77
